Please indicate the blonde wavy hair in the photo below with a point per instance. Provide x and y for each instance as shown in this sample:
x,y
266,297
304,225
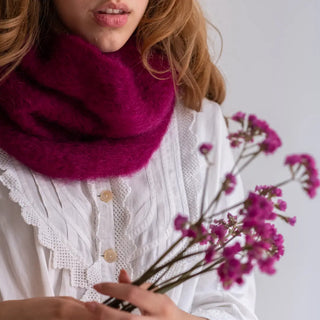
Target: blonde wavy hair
x,y
176,27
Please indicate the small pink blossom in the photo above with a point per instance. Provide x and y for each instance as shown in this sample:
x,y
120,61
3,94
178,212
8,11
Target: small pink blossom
x,y
235,143
265,230
229,184
256,128
218,231
230,251
260,127
210,253
281,205
278,240
204,234
197,232
293,159
180,222
236,138
257,249
270,191
267,265
239,117
271,143
189,233
230,272
247,267
259,207
205,148
256,124
292,221
311,180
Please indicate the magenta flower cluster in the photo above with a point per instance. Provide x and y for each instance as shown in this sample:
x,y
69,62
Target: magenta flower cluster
x,y
271,192
252,127
263,245
260,242
260,245
309,178
182,224
235,245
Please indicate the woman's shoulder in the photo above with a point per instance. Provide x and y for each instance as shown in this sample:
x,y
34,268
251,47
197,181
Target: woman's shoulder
x,y
209,115
211,111
210,124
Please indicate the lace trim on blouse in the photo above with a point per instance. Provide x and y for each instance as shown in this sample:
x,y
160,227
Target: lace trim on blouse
x,y
63,256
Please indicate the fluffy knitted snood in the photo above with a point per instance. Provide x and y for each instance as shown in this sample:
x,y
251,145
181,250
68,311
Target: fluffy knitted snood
x,y
73,112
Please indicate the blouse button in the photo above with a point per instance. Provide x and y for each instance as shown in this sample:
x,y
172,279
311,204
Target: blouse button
x,y
106,196
110,256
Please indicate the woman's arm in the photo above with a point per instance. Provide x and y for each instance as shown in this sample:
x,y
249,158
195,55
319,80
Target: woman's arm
x,y
53,308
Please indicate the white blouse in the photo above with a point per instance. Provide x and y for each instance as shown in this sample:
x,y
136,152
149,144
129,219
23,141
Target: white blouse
x,y
60,238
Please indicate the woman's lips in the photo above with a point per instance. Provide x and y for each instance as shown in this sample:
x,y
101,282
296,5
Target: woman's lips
x,y
112,15
111,20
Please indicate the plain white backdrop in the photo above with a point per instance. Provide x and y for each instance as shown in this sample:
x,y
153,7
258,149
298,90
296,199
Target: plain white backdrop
x,y
271,63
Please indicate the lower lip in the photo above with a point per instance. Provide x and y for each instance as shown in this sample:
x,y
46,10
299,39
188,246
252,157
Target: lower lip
x,y
111,20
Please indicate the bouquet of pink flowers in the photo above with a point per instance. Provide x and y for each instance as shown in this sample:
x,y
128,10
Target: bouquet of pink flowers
x,y
233,246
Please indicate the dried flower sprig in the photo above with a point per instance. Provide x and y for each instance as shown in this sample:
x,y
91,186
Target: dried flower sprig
x,y
234,245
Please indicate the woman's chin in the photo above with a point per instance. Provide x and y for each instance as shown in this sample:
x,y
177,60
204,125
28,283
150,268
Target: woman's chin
x,y
108,44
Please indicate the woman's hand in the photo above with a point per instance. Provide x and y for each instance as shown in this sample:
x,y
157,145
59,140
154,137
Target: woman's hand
x,y
48,308
153,306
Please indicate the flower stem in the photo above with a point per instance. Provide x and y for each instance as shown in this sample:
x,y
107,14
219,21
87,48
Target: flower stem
x,y
284,182
216,199
254,155
149,272
225,210
204,188
170,286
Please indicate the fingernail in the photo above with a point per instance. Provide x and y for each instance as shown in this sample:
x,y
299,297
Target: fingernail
x,y
91,306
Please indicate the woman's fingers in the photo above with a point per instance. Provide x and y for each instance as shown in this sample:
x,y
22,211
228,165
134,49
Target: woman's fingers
x,y
71,299
103,312
146,285
124,277
45,308
145,300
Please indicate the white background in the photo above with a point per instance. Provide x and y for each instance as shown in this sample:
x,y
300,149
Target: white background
x,y
271,62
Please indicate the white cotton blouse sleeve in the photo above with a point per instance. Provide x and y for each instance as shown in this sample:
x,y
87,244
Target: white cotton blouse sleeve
x,y
59,238
210,299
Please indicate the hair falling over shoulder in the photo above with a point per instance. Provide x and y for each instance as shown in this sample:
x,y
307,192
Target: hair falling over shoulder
x,y
177,28
19,29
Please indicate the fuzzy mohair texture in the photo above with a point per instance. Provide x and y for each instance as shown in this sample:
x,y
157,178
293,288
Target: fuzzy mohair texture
x,y
73,112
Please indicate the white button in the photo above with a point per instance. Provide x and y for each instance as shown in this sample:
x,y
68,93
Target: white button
x,y
106,196
110,255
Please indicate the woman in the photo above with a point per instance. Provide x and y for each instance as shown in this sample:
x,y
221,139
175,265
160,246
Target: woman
x,y
99,129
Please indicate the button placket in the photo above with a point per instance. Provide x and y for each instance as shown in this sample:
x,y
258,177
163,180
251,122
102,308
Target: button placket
x,y
106,225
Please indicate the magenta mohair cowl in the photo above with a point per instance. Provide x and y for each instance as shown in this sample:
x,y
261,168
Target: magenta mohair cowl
x,y
73,112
